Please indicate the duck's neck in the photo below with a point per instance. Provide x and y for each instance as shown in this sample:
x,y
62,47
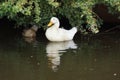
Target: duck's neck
x,y
56,25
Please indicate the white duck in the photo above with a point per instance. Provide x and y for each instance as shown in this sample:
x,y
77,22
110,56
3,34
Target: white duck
x,y
54,33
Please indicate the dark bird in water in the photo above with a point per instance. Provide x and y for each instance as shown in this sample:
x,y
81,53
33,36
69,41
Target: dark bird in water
x,y
31,32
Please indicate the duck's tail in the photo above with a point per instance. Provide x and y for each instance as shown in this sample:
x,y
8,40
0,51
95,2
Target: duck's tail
x,y
74,30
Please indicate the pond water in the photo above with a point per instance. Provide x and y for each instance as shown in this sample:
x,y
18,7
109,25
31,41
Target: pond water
x,y
85,58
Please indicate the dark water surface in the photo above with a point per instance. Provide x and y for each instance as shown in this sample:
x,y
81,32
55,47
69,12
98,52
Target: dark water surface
x,y
86,58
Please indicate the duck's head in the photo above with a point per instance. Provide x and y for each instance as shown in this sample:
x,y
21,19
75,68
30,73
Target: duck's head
x,y
53,21
34,27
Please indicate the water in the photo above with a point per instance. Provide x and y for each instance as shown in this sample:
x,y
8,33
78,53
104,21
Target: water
x,y
84,58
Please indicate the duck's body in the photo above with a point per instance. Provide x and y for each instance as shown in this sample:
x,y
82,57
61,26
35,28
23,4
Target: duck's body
x,y
60,34
54,33
30,33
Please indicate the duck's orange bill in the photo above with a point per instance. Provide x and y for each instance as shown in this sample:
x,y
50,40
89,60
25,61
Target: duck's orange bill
x,y
50,24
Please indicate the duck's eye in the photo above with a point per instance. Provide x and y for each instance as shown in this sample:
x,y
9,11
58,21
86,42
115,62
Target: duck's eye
x,y
53,19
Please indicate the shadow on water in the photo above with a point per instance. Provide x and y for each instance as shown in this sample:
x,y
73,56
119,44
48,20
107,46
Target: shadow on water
x,y
85,58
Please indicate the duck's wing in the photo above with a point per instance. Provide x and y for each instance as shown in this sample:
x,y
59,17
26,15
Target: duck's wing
x,y
71,31
67,34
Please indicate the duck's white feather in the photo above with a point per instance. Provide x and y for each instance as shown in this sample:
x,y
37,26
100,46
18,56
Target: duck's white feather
x,y
54,33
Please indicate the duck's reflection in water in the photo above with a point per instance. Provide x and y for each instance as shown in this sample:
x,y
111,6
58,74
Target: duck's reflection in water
x,y
54,51
29,39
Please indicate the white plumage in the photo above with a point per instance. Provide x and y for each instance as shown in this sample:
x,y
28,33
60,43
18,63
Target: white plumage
x,y
54,33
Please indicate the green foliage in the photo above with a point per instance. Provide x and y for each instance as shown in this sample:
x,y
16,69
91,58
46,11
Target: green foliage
x,y
22,11
113,5
79,12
